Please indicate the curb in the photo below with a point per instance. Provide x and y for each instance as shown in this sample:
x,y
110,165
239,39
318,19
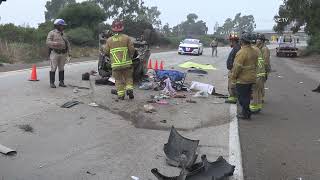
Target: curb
x,y
235,157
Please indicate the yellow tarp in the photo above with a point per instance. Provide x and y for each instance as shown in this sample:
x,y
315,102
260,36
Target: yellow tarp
x,y
190,64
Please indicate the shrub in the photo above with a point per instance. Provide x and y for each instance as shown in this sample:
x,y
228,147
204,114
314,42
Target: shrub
x,y
82,37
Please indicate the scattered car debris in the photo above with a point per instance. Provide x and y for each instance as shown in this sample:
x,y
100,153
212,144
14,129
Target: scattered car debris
x,y
191,101
300,82
86,76
201,94
93,104
146,86
197,71
135,178
162,102
163,121
7,151
93,73
76,90
79,87
223,96
180,96
26,128
148,108
198,86
104,81
204,170
179,146
92,174
114,92
168,90
70,104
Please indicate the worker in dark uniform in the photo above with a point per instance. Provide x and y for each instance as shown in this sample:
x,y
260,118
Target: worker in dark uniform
x,y
244,73
234,43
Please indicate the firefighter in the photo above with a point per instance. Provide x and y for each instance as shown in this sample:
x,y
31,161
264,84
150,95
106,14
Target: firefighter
x,y
263,69
234,43
244,73
214,46
59,51
120,49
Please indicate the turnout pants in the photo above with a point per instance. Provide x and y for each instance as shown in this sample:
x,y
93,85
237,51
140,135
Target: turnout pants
x,y
57,61
257,95
231,89
124,80
244,96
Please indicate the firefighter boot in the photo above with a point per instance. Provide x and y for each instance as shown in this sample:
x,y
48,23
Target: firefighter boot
x,y
130,94
52,75
61,79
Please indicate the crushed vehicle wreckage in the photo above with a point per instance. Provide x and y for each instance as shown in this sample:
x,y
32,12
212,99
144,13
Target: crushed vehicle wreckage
x,y
181,152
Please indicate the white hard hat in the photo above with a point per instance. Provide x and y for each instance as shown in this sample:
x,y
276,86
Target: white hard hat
x,y
60,22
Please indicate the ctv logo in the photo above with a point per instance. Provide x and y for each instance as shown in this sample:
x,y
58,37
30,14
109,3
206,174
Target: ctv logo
x,y
281,20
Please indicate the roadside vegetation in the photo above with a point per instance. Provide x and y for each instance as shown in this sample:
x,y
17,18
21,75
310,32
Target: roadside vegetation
x,y
301,14
86,20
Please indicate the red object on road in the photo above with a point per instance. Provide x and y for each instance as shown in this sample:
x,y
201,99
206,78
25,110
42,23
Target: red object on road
x,y
150,64
156,66
161,65
34,74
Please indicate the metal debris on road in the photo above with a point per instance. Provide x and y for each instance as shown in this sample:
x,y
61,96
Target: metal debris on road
x,y
93,104
70,104
79,87
163,121
179,146
135,178
26,128
104,81
7,151
76,90
191,101
204,170
92,174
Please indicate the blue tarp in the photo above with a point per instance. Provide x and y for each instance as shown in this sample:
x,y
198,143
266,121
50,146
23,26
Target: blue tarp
x,y
172,74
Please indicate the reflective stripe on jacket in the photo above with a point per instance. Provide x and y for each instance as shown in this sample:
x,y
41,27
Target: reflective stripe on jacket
x,y
120,49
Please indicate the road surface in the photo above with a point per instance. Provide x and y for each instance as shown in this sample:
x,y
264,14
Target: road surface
x,y
114,141
283,142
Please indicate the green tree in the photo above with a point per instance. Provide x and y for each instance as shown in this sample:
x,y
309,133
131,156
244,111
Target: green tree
x,y
54,6
85,14
191,26
166,29
120,9
150,15
238,25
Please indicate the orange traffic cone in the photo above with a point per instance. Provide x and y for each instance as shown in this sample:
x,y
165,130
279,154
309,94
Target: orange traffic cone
x,y
34,74
150,64
156,66
161,65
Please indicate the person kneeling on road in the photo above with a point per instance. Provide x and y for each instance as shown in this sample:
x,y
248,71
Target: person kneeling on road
x,y
59,51
120,49
244,73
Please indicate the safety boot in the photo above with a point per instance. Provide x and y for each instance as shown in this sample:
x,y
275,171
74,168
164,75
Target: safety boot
x,y
231,100
61,79
52,76
130,94
114,92
121,98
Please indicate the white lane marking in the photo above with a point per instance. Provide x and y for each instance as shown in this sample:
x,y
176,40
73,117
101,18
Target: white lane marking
x,y
235,157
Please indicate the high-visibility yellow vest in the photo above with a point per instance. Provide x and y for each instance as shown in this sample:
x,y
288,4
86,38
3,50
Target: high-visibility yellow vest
x,y
261,66
120,55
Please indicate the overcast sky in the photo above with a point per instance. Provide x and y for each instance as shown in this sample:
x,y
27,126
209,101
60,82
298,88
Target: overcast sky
x,y
31,12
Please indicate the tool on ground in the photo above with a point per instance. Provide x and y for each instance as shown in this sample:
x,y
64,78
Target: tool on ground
x,y
34,74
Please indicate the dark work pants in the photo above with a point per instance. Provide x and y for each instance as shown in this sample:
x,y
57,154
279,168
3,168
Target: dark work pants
x,y
244,96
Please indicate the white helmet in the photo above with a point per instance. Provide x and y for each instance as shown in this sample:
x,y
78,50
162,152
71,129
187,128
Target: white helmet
x,y
60,22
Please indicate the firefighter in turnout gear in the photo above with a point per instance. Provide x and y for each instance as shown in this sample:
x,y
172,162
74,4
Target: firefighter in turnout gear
x,y
59,51
120,49
234,43
263,68
244,73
